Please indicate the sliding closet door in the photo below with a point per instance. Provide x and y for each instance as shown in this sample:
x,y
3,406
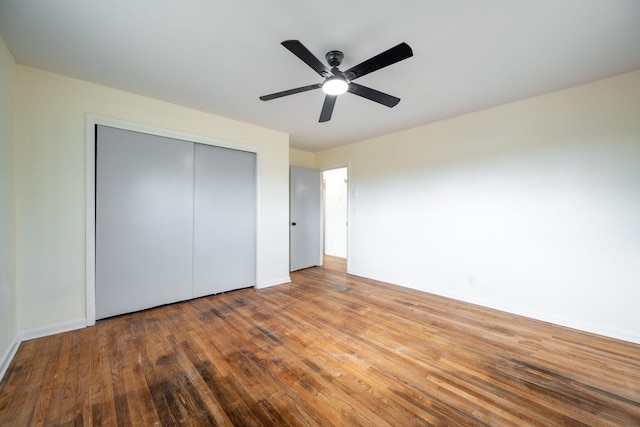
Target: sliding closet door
x,y
144,221
224,220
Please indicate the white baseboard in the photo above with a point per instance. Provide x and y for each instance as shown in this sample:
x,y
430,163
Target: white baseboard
x,y
56,328
8,356
545,317
274,282
40,332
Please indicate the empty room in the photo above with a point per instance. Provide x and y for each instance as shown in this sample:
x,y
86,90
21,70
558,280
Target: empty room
x,y
279,213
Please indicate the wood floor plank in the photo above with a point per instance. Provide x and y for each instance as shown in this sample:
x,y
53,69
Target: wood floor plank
x,y
49,383
327,349
62,396
68,415
103,403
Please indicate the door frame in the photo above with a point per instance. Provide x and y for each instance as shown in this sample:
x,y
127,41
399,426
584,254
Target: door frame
x,y
323,207
91,120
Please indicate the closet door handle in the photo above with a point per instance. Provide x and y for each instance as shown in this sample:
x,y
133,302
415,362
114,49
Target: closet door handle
x,y
293,224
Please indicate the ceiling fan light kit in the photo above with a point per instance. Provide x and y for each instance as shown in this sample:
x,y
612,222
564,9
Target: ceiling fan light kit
x,y
335,86
337,82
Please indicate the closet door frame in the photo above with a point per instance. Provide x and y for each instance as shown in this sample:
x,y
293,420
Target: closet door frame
x,y
92,120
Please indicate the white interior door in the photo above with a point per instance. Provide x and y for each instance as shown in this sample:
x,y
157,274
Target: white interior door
x,y
305,226
224,220
144,221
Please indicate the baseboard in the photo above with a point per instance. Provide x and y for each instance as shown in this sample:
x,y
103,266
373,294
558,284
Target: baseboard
x,y
560,321
544,317
274,282
56,328
8,356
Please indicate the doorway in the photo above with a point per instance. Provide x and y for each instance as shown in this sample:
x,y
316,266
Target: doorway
x,y
336,207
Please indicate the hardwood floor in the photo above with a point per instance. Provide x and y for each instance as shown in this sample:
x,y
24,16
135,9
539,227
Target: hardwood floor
x,y
327,349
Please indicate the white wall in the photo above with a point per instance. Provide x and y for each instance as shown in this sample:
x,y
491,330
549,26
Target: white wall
x,y
51,186
8,325
538,201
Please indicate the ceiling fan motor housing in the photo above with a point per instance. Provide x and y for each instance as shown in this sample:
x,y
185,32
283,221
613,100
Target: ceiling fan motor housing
x,y
334,58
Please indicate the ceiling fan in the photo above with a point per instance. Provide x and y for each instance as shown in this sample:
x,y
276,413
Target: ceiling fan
x,y
337,82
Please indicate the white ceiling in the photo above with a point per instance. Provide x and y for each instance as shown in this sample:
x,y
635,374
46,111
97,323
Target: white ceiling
x,y
219,56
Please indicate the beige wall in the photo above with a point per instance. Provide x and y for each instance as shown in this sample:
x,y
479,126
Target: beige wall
x,y
51,185
8,310
303,159
537,200
531,207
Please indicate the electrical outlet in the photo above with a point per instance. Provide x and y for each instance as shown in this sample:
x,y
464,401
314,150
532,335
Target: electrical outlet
x,y
471,280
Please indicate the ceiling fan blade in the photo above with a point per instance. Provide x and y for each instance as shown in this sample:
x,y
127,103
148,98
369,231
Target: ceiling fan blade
x,y
327,108
373,95
290,92
299,50
386,58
